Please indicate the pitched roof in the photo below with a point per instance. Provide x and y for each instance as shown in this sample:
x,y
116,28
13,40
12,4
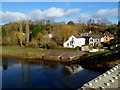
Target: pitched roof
x,y
108,34
85,31
96,36
77,36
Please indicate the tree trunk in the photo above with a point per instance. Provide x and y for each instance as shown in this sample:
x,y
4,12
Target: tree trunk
x,y
21,32
27,30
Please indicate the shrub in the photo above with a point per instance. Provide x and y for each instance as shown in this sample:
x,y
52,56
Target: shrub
x,y
77,48
100,45
91,47
52,44
4,33
33,44
9,41
112,47
4,41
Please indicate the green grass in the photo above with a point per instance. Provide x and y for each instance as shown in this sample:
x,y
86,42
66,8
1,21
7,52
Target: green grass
x,y
14,49
96,53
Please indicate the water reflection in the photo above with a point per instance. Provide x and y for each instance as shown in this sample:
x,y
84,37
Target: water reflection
x,y
73,69
43,74
5,63
22,68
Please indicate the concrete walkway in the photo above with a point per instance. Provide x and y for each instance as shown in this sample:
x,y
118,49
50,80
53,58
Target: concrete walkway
x,y
63,55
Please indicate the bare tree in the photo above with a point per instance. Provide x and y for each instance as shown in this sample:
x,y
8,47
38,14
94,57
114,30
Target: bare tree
x,y
90,22
27,30
21,32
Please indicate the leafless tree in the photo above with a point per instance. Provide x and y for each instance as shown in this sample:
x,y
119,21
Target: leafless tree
x,y
27,30
21,32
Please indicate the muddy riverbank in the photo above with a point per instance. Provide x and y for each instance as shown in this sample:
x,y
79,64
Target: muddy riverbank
x,y
47,55
100,61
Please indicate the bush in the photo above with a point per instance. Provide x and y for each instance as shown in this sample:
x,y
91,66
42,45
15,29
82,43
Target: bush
x,y
100,45
77,48
33,44
106,45
4,33
8,40
52,44
5,41
112,47
92,47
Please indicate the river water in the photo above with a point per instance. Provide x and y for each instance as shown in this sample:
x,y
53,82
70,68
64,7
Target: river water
x,y
17,73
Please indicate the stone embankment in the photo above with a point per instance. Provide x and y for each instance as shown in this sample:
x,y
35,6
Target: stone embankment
x,y
63,55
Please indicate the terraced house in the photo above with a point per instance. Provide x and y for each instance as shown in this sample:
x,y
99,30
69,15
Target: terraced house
x,y
84,38
95,40
108,36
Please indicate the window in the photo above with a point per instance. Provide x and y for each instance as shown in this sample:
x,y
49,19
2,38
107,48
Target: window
x,y
71,42
92,44
67,44
91,40
97,40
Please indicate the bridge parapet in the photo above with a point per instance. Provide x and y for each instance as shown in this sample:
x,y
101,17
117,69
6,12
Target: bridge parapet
x,y
109,79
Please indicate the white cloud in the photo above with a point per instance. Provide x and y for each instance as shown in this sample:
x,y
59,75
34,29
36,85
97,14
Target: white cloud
x,y
50,13
84,15
107,12
71,12
11,16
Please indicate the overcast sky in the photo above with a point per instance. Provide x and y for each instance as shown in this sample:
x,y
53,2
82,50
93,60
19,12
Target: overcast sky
x,y
59,11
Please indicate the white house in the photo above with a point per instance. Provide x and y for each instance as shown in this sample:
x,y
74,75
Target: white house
x,y
73,42
94,40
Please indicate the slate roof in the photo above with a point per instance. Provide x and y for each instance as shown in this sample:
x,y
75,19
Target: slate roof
x,y
85,31
96,36
108,34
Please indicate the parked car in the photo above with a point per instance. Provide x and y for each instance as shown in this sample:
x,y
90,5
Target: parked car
x,y
94,50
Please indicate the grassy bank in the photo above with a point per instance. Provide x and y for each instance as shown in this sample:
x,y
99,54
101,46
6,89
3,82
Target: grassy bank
x,y
100,60
96,53
21,52
66,55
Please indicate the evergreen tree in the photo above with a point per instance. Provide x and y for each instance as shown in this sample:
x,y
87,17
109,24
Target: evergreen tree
x,y
35,31
4,33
